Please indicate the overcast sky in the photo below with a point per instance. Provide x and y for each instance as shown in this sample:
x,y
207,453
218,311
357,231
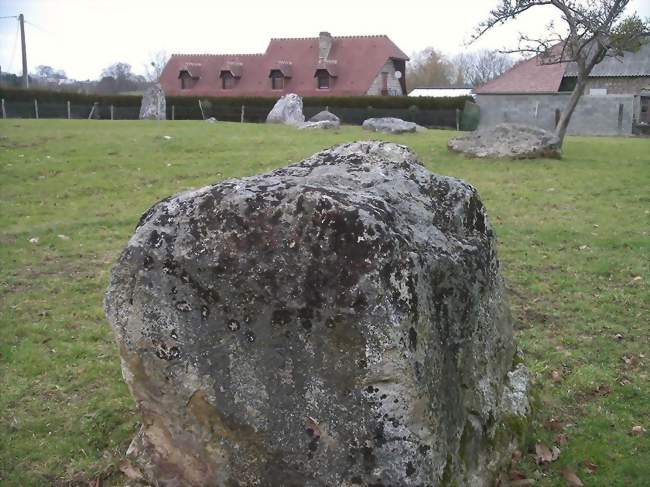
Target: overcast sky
x,y
84,36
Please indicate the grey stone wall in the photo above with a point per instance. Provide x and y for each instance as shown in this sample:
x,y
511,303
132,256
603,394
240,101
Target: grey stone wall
x,y
619,85
394,86
594,115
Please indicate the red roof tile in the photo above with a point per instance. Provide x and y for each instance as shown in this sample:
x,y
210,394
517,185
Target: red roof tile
x,y
358,61
530,76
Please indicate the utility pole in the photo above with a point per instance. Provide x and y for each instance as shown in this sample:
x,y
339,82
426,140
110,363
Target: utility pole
x,y
21,19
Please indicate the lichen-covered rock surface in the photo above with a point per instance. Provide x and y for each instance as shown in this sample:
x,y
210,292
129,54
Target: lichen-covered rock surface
x,y
389,125
508,141
287,110
337,322
325,115
322,125
153,105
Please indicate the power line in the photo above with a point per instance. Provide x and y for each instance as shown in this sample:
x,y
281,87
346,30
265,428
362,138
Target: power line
x,y
9,17
39,27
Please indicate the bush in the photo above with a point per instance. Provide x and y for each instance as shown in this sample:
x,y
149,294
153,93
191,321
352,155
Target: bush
x,y
425,103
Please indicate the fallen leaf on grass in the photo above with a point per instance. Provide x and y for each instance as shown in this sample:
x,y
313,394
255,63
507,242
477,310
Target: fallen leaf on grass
x,y
130,471
638,431
571,478
554,425
589,467
517,475
630,360
561,439
602,390
522,483
544,455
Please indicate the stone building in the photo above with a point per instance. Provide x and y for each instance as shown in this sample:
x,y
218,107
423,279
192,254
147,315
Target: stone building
x,y
315,66
616,100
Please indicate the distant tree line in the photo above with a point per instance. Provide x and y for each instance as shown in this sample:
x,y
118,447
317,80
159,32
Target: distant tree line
x,y
115,79
430,67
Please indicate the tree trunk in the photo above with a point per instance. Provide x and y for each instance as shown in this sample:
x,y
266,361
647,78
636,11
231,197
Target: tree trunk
x,y
565,118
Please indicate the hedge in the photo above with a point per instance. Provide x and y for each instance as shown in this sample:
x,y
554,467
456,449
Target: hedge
x,y
426,103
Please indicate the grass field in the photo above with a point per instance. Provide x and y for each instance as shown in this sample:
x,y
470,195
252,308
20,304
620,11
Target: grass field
x,y
574,242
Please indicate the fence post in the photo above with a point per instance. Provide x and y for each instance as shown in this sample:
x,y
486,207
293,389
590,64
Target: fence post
x,y
68,107
36,108
111,112
458,119
201,107
92,110
173,112
4,113
243,113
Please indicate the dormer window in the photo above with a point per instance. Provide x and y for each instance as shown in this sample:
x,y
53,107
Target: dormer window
x,y
189,75
187,81
325,74
277,79
227,80
323,78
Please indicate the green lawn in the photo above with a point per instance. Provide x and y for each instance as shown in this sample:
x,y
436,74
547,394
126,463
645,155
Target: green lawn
x,y
574,242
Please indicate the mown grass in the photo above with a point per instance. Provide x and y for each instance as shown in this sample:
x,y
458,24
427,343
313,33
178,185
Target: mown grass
x,y
573,240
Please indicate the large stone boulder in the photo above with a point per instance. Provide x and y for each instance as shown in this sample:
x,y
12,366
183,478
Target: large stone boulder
x,y
287,110
325,116
323,124
389,125
508,141
337,322
153,104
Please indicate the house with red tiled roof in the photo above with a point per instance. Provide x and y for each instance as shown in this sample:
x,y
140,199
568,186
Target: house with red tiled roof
x,y
616,98
315,66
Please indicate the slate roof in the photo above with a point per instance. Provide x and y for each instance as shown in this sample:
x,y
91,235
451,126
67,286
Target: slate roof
x,y
530,76
355,60
630,64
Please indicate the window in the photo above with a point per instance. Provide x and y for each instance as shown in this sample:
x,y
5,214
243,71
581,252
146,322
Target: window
x,y
645,109
384,84
277,80
598,91
323,80
187,81
227,80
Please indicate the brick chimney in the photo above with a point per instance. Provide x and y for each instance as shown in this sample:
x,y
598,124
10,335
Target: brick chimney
x,y
324,45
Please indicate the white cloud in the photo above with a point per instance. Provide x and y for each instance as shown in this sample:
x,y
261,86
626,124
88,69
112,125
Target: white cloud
x,y
85,36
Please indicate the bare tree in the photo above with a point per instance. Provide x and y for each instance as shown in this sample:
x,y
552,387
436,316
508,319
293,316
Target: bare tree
x,y
155,65
43,71
479,67
118,78
592,30
429,68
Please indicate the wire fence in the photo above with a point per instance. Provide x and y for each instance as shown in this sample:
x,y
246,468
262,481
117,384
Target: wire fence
x,y
433,118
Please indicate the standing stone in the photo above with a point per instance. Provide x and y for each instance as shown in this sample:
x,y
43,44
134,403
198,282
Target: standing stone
x,y
325,116
153,104
337,322
287,110
389,125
